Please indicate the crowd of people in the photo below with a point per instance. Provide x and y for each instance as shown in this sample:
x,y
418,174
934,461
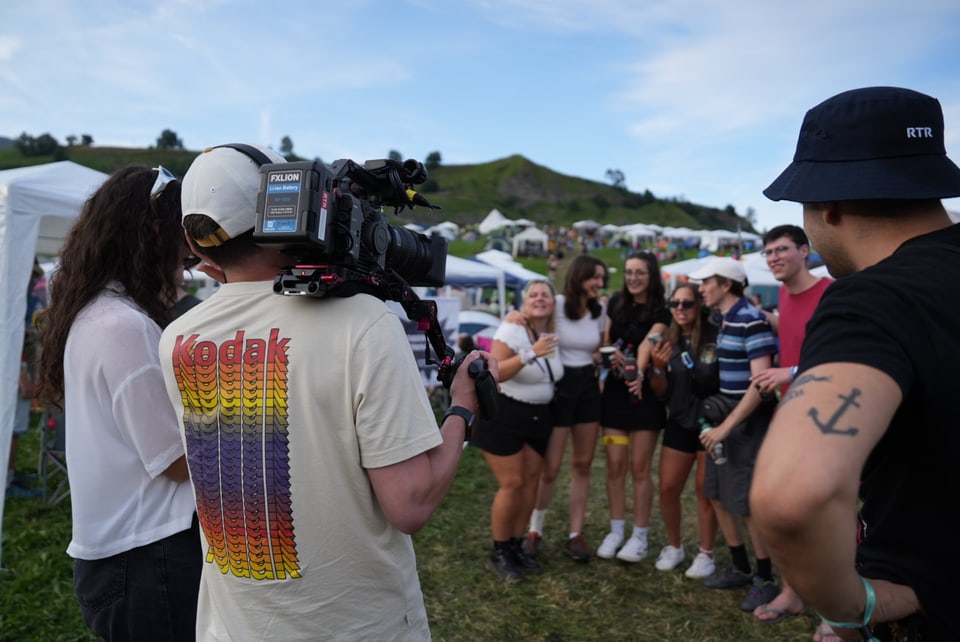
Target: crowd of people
x,y
252,467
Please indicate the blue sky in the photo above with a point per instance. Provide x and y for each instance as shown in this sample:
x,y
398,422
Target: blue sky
x,y
699,99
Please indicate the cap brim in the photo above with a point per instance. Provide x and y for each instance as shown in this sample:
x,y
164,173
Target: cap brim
x,y
913,177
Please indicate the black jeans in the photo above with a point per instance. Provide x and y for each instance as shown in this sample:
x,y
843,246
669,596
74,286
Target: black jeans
x,y
147,593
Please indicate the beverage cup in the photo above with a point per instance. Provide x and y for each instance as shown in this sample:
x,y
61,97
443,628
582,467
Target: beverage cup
x,y
606,355
550,335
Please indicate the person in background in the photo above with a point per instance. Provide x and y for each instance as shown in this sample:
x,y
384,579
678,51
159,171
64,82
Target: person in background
x,y
870,418
685,371
19,484
580,325
745,346
135,543
515,441
632,416
786,249
305,420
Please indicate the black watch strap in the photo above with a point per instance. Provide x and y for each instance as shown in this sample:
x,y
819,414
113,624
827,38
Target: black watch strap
x,y
468,418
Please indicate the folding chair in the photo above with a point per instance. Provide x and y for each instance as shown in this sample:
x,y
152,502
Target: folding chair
x,y
52,469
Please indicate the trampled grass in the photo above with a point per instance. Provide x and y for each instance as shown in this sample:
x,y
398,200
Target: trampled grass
x,y
570,601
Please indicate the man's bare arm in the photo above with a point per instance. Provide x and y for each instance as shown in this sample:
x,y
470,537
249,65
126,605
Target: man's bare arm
x,y
804,492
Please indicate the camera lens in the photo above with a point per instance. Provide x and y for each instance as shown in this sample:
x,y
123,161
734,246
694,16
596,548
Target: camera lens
x,y
420,260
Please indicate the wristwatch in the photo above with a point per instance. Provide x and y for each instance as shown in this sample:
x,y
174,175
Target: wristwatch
x,y
468,418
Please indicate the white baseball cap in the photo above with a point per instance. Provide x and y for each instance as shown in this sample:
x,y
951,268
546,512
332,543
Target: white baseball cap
x,y
222,183
721,266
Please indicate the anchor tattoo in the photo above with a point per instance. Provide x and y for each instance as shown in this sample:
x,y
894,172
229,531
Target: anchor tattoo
x,y
825,428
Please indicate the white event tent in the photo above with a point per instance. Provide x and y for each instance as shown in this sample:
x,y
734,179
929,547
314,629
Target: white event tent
x,y
37,207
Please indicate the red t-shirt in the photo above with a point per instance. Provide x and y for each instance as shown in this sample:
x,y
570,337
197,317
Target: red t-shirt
x,y
795,310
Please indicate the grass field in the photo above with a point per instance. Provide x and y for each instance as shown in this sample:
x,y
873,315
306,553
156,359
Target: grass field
x,y
570,601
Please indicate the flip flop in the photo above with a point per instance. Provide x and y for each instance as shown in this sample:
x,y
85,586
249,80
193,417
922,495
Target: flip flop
x,y
779,614
826,633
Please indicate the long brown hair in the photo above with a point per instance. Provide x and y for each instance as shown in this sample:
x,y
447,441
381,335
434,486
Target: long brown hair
x,y
123,235
581,268
655,291
675,332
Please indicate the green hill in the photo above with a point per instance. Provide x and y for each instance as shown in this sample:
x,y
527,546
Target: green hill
x,y
516,186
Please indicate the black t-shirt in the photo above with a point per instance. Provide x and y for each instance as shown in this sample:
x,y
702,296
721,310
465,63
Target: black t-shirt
x,y
902,316
630,328
685,391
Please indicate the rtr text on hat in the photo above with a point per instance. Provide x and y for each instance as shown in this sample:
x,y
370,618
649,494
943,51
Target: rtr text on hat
x,y
870,143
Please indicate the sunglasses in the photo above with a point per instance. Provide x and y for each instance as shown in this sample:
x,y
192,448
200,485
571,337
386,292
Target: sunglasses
x,y
686,305
164,178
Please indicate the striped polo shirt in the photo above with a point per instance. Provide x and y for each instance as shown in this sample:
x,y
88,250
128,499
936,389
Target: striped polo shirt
x,y
745,334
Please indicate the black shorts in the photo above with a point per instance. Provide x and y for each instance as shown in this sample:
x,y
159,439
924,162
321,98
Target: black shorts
x,y
730,482
516,424
578,397
683,439
623,412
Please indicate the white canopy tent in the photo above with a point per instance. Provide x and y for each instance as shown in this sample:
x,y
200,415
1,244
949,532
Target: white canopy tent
x,y
528,237
493,221
512,268
37,207
467,273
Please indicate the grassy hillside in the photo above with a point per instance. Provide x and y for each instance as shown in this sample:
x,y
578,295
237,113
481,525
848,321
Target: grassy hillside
x,y
467,193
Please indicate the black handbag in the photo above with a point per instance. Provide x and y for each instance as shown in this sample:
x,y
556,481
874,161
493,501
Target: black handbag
x,y
717,407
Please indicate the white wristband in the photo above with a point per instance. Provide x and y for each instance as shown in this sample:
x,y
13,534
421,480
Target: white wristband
x,y
527,355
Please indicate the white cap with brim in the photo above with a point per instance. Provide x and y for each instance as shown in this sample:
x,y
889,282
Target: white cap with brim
x,y
222,183
721,266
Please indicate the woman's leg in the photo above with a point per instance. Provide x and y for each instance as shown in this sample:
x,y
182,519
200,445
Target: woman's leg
x,y
675,466
643,443
706,517
552,462
584,448
508,501
616,445
532,464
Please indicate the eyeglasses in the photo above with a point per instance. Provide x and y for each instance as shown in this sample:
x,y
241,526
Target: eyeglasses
x,y
779,251
164,178
686,305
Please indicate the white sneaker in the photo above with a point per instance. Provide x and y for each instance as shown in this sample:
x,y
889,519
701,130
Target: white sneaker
x,y
670,558
633,551
609,545
703,566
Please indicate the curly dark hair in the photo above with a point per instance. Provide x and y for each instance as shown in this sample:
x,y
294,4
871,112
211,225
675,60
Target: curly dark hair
x,y
656,292
122,235
582,267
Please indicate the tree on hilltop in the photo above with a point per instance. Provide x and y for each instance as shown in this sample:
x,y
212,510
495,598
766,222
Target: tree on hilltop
x,y
169,140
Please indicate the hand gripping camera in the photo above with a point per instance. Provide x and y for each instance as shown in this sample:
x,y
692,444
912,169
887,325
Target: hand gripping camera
x,y
330,220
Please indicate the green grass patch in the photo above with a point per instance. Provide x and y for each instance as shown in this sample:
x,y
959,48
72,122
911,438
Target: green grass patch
x,y
570,601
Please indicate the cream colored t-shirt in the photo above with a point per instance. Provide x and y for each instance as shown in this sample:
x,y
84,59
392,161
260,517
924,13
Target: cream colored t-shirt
x,y
286,401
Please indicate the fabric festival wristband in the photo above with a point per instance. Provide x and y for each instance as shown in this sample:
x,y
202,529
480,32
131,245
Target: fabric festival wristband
x,y
863,628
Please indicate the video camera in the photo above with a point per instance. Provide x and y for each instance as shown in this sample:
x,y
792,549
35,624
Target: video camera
x,y
331,220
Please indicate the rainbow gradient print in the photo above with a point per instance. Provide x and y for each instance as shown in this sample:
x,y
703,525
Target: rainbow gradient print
x,y
235,420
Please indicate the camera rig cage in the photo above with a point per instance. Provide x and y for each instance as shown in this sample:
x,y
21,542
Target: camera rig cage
x,y
330,220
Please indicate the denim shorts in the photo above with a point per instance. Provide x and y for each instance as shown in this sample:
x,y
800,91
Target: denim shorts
x,y
147,593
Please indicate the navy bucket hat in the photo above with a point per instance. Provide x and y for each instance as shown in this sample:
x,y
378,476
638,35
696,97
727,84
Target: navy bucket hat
x,y
871,143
